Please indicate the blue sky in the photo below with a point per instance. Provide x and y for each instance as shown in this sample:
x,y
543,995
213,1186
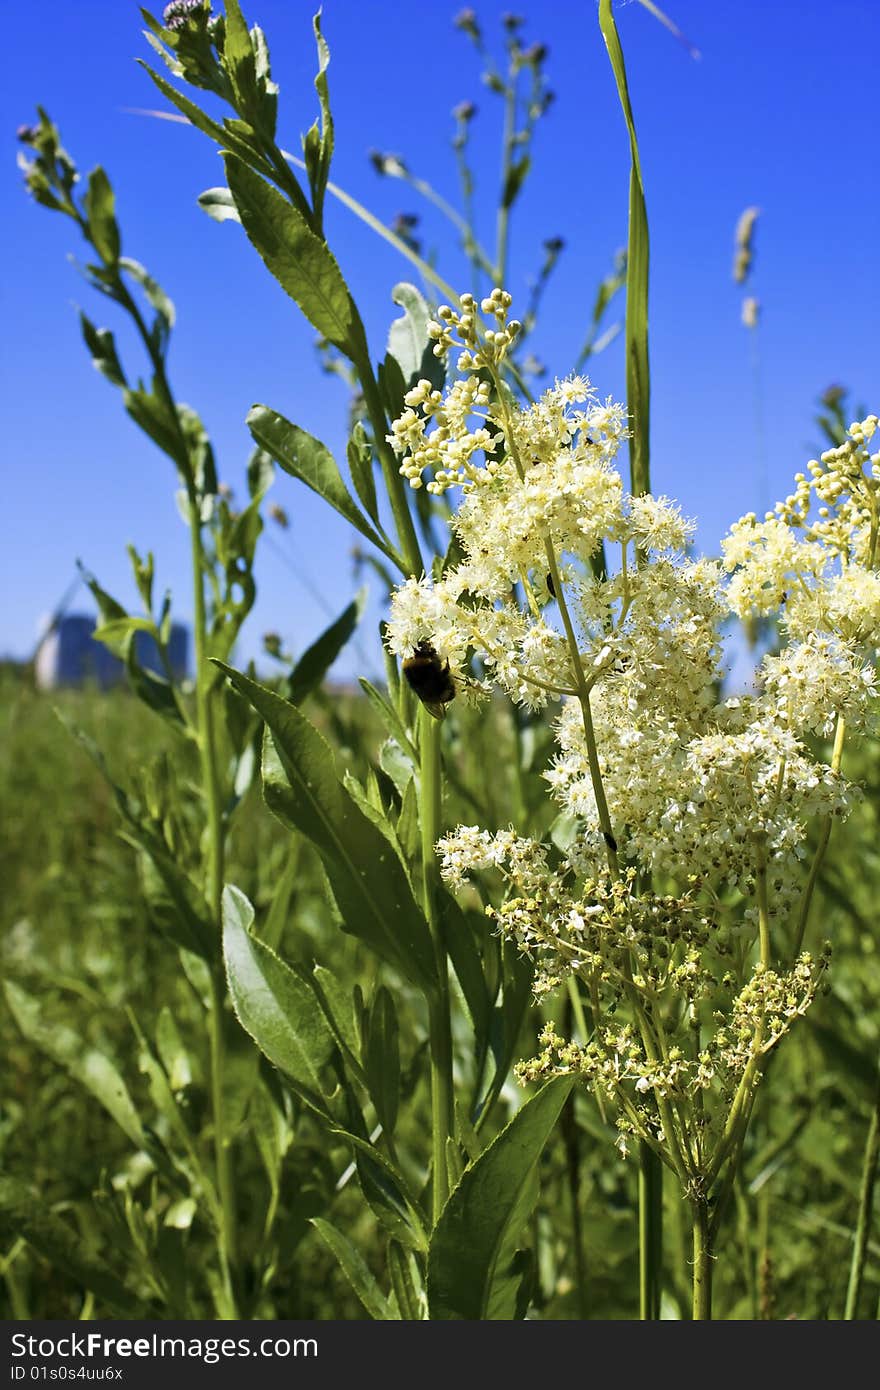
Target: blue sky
x,y
777,113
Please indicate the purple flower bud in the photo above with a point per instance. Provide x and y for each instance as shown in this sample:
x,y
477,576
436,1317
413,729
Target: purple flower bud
x,y
535,54
464,111
467,20
175,15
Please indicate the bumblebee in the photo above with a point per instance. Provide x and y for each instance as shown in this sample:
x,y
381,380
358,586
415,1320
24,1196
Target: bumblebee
x,y
430,678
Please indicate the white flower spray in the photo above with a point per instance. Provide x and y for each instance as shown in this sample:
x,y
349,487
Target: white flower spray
x,y
680,905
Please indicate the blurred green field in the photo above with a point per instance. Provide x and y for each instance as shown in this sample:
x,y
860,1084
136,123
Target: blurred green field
x,y
77,934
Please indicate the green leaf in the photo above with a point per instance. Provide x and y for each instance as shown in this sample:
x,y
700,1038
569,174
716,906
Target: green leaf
x,y
152,415
406,1281
389,716
464,953
392,386
155,295
516,177
85,1064
188,922
382,1059
385,1189
408,341
318,148
359,452
273,1005
338,1004
193,113
172,1051
114,632
23,1213
471,1258
369,882
238,55
157,693
99,205
355,1269
101,344
317,659
638,377
219,204
301,262
306,458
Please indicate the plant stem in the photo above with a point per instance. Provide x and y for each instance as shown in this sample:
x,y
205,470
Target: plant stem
x,y
396,488
570,1140
211,789
822,845
650,1233
214,887
866,1202
503,218
702,1260
439,1027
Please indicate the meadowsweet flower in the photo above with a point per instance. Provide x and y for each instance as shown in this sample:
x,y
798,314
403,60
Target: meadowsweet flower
x,y
660,780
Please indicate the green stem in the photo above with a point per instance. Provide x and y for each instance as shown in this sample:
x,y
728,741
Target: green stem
x,y
822,845
702,1308
211,788
439,1027
866,1203
650,1233
395,486
503,219
214,886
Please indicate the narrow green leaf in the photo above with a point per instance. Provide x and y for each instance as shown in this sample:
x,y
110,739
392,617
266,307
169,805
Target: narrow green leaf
x,y
194,114
157,693
359,452
382,1059
273,1005
318,149
338,1005
355,1270
238,55
101,344
188,923
25,1213
464,953
406,1282
112,633
369,883
153,417
99,204
470,1258
516,177
389,716
316,660
154,292
306,458
638,377
301,262
386,1191
83,1063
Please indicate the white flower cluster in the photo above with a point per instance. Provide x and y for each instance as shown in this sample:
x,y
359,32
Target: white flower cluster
x,y
815,555
665,780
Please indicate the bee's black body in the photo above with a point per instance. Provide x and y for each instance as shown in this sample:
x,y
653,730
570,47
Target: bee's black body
x,y
430,678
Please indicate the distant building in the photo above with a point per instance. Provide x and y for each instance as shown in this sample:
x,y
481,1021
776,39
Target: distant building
x,y
69,655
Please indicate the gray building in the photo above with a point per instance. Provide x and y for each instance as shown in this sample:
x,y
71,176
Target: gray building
x,y
69,655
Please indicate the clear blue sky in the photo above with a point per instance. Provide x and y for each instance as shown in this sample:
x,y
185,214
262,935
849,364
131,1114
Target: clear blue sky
x,y
780,112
